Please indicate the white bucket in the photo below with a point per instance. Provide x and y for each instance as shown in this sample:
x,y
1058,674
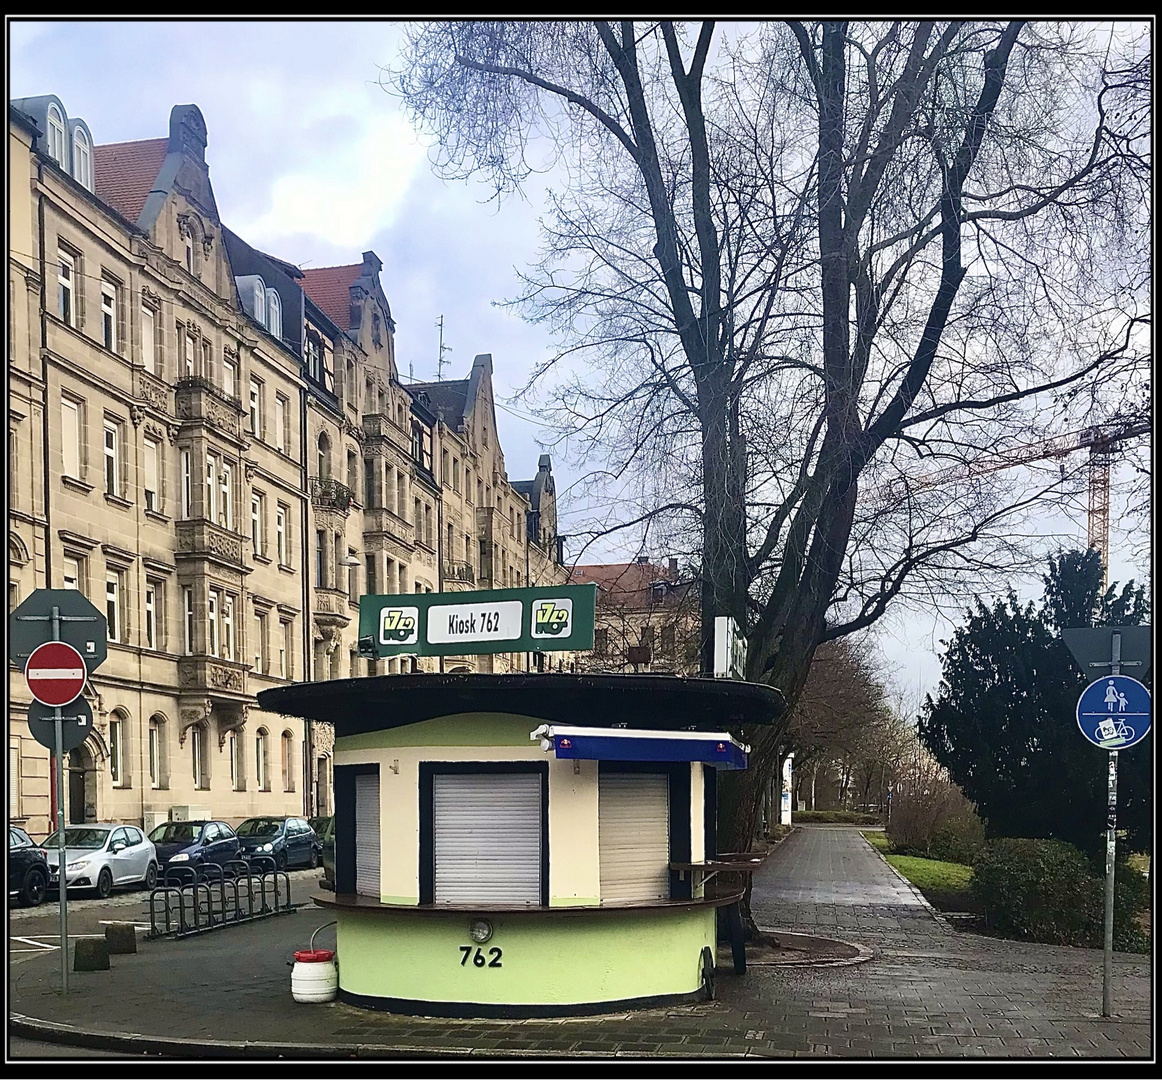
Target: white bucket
x,y
314,976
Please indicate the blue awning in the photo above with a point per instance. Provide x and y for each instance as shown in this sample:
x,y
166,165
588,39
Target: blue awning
x,y
717,748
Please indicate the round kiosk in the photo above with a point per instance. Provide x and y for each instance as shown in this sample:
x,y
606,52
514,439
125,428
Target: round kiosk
x,y
526,845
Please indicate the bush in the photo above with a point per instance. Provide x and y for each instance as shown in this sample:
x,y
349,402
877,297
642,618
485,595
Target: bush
x,y
960,839
1046,891
922,811
834,817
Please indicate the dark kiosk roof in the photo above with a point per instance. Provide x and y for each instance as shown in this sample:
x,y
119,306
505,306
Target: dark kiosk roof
x,y
376,703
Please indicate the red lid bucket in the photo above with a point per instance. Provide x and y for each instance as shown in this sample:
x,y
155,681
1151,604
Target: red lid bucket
x,y
314,956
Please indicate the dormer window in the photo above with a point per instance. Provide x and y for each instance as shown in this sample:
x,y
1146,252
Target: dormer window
x,y
56,136
274,313
82,159
259,300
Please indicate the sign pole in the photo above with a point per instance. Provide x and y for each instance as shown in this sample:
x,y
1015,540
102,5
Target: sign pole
x,y
1107,965
60,825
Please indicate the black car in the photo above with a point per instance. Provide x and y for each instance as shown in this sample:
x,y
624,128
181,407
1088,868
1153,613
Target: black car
x,y
194,843
290,841
326,834
27,868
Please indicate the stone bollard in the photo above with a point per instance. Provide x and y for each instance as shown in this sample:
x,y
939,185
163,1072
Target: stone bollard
x,y
121,938
91,954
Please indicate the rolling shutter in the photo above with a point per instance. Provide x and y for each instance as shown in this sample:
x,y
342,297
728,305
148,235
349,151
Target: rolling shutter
x,y
367,834
486,838
634,836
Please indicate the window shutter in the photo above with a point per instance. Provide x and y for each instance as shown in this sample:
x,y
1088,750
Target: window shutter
x,y
634,836
487,838
367,834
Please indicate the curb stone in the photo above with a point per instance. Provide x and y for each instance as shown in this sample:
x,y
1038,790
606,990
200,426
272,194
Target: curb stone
x,y
912,888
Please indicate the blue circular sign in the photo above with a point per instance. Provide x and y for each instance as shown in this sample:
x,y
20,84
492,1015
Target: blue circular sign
x,y
1114,712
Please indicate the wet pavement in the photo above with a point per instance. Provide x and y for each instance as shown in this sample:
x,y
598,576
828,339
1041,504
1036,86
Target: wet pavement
x,y
928,991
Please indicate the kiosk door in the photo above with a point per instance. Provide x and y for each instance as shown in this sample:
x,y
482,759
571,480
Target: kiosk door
x,y
633,812
367,834
486,837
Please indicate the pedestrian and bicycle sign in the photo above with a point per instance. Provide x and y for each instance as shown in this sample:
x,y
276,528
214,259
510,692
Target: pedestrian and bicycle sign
x,y
1114,712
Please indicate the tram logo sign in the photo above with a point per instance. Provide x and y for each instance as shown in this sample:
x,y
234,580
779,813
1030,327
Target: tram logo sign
x,y
552,618
399,625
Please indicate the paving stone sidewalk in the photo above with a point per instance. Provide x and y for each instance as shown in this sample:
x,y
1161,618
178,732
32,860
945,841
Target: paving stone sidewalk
x,y
929,991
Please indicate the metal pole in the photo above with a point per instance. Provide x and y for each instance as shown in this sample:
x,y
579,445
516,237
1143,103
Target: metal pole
x,y
1107,966
60,826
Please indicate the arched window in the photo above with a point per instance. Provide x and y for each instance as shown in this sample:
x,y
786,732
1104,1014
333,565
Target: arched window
x,y
82,159
56,136
324,456
274,313
199,755
261,761
288,765
119,749
259,300
158,773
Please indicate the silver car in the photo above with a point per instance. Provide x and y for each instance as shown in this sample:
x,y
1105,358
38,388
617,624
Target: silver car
x,y
102,856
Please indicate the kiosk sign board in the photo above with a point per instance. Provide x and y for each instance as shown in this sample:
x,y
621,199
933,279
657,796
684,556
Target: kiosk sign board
x,y
549,619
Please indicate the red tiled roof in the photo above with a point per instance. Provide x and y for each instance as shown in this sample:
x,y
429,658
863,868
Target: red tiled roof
x,y
330,288
618,577
125,173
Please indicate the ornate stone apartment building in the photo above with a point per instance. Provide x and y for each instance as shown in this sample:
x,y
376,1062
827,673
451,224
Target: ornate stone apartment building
x,y
215,447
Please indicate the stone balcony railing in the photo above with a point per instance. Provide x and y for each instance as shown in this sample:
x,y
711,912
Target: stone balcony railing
x,y
211,675
200,537
153,391
328,494
462,572
378,519
197,398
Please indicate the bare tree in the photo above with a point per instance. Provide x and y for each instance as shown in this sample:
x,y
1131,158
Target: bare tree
x,y
795,268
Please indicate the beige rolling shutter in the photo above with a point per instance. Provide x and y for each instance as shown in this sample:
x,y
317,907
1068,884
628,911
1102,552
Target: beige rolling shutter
x,y
487,838
634,836
367,834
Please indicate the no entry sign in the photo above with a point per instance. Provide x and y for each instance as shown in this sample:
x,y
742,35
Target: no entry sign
x,y
55,673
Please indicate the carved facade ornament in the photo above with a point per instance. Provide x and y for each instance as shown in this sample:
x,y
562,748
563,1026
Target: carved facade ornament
x,y
229,352
136,415
224,678
172,431
152,392
191,714
207,244
235,720
185,226
149,296
249,468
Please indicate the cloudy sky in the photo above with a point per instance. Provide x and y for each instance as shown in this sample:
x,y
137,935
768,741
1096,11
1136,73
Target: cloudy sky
x,y
313,161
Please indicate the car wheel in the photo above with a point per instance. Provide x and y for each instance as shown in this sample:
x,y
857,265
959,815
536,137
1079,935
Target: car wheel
x,y
104,884
280,860
151,876
35,888
313,862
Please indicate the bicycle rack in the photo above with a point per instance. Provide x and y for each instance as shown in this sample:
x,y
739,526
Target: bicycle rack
x,y
209,896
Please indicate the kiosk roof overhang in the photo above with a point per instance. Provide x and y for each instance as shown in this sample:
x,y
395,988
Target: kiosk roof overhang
x,y
716,748
659,702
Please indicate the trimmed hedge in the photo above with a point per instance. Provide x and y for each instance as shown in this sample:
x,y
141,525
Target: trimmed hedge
x,y
834,817
1045,890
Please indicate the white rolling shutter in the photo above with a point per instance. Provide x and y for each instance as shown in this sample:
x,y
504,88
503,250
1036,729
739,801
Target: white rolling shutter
x,y
487,838
633,812
367,834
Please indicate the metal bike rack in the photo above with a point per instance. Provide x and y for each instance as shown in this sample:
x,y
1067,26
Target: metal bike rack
x,y
209,896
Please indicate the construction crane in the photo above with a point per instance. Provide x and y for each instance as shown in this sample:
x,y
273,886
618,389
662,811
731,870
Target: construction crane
x,y
1100,440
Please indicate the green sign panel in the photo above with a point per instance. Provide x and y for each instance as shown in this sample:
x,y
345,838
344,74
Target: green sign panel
x,y
553,619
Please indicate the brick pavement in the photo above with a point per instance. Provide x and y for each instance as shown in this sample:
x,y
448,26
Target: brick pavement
x,y
928,992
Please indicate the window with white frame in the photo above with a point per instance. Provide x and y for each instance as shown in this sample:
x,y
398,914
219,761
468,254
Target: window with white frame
x,y
212,461
260,643
149,340
282,422
257,520
70,573
66,278
259,300
156,780
152,610
261,770
112,442
280,534
352,576
255,406
116,748
82,159
188,620
229,377
187,464
285,651
237,775
190,354
198,755
189,253
288,767
56,136
152,474
71,438
212,622
109,315
207,359
226,495
113,591
227,628
274,313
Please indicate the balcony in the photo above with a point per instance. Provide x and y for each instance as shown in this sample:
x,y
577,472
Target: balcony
x,y
328,494
199,538
330,606
150,389
210,675
380,520
462,572
197,398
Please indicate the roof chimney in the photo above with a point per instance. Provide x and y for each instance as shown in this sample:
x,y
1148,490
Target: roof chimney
x,y
673,569
643,560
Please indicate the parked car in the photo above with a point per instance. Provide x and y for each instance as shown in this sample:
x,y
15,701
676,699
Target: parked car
x,y
27,868
318,824
326,834
102,856
195,843
290,841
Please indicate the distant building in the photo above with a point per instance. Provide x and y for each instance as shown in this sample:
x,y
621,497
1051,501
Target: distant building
x,y
214,446
647,618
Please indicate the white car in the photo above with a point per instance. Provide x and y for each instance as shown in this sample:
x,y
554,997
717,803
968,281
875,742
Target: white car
x,y
103,856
